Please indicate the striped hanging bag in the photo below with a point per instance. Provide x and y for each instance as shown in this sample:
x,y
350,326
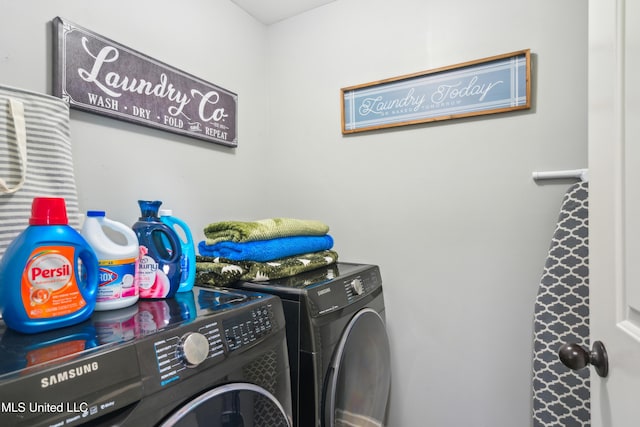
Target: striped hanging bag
x,y
35,158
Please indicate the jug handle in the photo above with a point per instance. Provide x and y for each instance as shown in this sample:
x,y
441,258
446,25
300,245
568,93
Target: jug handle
x,y
127,232
174,240
90,264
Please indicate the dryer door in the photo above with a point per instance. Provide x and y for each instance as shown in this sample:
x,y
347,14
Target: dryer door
x,y
231,405
359,378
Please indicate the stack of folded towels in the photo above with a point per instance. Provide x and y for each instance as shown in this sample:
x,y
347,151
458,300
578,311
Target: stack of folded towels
x,y
262,250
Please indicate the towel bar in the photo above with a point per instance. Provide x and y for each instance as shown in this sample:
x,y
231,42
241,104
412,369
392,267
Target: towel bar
x,y
582,174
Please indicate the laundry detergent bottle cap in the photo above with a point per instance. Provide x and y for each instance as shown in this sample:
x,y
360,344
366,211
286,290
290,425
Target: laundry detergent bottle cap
x,y
48,274
149,209
48,211
188,258
159,272
117,261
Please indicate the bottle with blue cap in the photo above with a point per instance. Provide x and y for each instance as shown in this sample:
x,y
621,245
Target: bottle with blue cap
x,y
159,270
117,262
188,258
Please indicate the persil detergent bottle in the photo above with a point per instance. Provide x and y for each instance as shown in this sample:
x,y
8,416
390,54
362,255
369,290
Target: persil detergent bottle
x,y
188,258
159,270
49,273
117,262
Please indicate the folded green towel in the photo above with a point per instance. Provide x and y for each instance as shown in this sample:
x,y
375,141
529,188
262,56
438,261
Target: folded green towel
x,y
212,272
218,271
264,229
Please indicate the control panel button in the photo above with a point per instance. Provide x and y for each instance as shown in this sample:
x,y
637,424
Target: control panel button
x,y
195,348
357,286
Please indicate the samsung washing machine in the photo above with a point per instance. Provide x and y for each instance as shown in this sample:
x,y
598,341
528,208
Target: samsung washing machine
x,y
208,357
338,345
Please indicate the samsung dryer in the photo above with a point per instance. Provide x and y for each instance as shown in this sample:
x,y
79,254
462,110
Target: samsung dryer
x,y
338,345
214,357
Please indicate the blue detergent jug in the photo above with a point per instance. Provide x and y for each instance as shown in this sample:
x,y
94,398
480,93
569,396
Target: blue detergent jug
x,y
188,259
49,273
159,271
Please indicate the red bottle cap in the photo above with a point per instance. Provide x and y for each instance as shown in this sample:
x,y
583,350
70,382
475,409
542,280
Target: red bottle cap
x,y
48,211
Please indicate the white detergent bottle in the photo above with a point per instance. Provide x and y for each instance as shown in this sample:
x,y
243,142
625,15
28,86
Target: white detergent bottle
x,y
117,262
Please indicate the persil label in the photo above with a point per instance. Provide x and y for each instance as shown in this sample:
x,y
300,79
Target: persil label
x,y
49,270
49,285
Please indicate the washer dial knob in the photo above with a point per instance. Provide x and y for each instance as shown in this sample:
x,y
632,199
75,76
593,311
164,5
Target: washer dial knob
x,y
357,286
195,348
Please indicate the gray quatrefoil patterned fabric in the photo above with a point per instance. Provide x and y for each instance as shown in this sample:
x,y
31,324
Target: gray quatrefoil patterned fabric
x,y
561,397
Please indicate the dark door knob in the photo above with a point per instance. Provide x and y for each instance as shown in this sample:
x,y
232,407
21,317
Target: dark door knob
x,y
576,357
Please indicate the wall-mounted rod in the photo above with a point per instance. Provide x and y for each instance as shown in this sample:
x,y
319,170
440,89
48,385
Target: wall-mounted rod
x,y
581,174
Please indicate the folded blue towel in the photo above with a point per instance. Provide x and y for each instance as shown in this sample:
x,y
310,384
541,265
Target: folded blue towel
x,y
266,250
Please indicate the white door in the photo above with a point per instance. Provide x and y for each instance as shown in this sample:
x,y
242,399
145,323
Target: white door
x,y
614,207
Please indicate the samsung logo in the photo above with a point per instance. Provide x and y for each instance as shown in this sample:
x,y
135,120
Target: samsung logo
x,y
324,291
69,374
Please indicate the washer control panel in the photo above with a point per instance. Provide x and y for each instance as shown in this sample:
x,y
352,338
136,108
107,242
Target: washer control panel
x,y
342,291
244,330
182,352
176,353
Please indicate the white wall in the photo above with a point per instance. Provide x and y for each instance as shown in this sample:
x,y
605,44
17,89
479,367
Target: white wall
x,y
448,210
118,163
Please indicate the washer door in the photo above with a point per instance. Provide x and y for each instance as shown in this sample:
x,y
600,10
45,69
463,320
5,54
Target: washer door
x,y
231,405
359,377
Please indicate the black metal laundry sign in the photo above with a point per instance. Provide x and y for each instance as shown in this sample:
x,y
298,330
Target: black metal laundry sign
x,y
96,74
